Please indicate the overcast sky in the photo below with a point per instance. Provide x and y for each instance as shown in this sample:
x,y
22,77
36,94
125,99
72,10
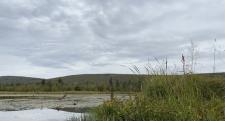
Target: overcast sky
x,y
50,38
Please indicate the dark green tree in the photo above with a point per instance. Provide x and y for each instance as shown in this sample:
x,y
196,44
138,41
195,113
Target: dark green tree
x,y
43,82
60,81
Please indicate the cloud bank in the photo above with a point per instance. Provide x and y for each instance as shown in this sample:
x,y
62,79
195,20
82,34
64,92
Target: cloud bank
x,y
48,38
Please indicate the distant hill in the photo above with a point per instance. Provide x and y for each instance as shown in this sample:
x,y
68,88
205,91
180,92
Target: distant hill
x,y
95,78
72,79
221,74
18,80
83,78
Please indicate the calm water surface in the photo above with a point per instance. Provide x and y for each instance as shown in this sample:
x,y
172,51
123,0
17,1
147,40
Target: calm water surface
x,y
36,115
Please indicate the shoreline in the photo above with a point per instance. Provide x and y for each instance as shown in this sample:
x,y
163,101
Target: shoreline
x,y
79,103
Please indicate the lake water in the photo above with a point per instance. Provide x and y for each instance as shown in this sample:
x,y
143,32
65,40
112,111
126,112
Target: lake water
x,y
36,115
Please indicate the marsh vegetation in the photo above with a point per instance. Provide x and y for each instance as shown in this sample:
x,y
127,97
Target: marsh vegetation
x,y
168,98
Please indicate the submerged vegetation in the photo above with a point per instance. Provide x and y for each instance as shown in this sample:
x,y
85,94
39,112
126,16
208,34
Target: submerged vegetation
x,y
82,118
169,98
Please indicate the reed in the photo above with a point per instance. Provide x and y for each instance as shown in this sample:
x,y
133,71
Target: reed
x,y
169,98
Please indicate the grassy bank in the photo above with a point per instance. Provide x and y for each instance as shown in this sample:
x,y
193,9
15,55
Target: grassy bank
x,y
169,98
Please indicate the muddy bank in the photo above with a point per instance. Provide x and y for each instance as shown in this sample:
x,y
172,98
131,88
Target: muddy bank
x,y
65,102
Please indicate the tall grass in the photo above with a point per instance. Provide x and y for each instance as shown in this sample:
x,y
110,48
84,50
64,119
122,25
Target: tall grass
x,y
169,98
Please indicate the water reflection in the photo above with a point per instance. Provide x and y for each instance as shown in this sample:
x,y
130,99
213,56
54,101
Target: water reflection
x,y
36,115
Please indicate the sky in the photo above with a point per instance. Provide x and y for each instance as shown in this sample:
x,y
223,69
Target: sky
x,y
51,38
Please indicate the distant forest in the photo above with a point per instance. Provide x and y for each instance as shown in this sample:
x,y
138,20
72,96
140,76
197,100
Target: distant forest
x,y
92,82
89,82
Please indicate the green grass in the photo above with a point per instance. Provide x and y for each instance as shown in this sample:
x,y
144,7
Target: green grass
x,y
169,98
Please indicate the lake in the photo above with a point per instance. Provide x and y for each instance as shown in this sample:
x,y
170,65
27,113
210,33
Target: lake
x,y
37,115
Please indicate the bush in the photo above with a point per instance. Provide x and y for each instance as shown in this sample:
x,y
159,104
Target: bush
x,y
169,98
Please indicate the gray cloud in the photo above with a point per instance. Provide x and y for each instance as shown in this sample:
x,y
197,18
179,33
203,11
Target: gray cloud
x,y
61,37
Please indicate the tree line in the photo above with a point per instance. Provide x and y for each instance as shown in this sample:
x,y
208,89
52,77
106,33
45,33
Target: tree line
x,y
61,85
